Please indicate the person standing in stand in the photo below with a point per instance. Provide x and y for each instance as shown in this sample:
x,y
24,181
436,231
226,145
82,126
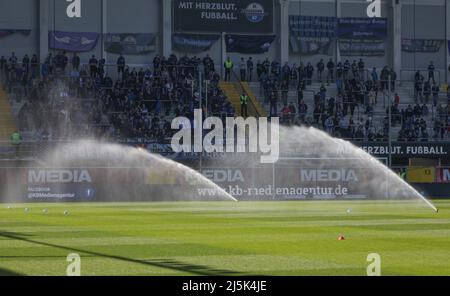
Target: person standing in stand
x,y
330,67
320,69
250,68
75,62
228,65
244,105
120,65
93,63
243,69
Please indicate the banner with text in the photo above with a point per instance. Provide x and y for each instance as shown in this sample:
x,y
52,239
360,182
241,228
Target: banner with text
x,y
231,16
296,179
407,150
193,43
362,28
431,150
350,47
443,175
362,36
312,26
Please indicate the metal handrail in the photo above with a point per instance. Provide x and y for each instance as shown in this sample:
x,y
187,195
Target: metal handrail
x,y
124,140
240,85
413,71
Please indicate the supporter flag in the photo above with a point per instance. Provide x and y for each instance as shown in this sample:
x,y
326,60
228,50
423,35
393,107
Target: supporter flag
x,y
311,35
130,43
310,46
249,44
193,43
312,26
72,41
7,32
422,45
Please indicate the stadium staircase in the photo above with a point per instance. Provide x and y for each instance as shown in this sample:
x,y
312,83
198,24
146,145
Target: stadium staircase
x,y
7,121
254,100
233,91
232,94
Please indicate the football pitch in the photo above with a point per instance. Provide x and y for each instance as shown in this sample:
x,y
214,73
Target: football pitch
x,y
225,238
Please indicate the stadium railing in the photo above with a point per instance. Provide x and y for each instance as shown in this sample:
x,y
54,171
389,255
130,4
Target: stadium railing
x,y
19,90
410,73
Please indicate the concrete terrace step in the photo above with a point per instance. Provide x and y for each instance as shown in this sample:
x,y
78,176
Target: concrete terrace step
x,y
7,120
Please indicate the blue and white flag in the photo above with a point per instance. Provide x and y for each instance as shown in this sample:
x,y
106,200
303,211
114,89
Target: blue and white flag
x,y
72,41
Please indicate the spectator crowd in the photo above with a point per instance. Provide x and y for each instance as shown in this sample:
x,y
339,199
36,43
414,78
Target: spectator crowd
x,y
63,97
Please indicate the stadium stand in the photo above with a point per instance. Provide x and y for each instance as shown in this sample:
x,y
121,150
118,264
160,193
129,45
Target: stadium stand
x,y
66,102
133,93
68,99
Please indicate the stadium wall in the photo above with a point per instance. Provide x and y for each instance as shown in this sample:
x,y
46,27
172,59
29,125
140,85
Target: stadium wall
x,y
19,14
91,21
359,9
312,8
92,184
274,51
418,21
140,16
218,54
112,16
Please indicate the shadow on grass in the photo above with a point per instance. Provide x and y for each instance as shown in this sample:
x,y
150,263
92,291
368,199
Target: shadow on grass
x,y
5,272
170,264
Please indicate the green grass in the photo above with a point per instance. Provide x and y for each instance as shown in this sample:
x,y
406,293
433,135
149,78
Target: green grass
x,y
226,238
